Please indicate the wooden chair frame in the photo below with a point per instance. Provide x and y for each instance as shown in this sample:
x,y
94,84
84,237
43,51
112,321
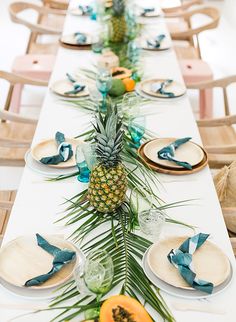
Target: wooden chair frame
x,y
171,12
192,34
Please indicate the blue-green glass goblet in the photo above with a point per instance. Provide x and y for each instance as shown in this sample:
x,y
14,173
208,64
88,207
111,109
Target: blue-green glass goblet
x,y
104,83
84,172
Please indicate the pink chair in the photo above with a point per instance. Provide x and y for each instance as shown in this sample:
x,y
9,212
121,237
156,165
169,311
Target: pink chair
x,y
195,71
37,67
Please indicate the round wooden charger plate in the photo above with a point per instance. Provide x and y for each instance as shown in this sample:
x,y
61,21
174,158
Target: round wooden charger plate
x,y
68,41
62,86
22,259
209,261
165,170
49,147
188,152
176,88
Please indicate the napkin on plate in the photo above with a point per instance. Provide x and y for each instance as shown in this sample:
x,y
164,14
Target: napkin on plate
x,y
61,258
86,10
156,43
160,88
80,38
64,151
147,10
181,258
168,152
77,88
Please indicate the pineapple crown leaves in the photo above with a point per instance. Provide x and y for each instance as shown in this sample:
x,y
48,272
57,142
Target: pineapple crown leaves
x,y
109,138
118,8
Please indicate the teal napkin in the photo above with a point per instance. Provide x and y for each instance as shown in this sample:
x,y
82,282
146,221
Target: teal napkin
x,y
64,151
80,38
147,10
76,87
61,258
86,10
156,43
168,152
160,88
181,258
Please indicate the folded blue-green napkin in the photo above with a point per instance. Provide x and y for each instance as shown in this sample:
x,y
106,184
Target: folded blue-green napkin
x,y
86,10
80,38
156,43
160,88
147,10
182,257
65,151
76,87
168,152
61,258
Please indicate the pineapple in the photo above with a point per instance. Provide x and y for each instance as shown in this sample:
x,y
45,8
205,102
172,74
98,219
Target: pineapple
x,y
108,181
118,21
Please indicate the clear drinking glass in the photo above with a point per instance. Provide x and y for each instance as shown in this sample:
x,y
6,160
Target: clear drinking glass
x,y
84,172
104,83
151,223
90,155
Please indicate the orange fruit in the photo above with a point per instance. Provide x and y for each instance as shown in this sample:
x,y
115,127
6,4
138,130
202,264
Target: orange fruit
x,y
129,84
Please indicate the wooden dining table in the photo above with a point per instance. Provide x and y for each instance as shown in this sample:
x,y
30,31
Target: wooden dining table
x,y
39,203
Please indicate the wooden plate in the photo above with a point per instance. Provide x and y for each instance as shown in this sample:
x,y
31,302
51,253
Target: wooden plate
x,y
22,259
210,263
49,147
70,39
172,171
176,88
188,152
62,86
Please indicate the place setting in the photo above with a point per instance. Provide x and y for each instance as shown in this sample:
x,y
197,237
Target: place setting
x,y
53,157
71,87
155,42
188,267
81,10
44,263
156,89
173,156
149,12
76,40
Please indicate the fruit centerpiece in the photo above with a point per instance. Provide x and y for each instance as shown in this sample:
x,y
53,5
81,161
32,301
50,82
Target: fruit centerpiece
x,y
108,182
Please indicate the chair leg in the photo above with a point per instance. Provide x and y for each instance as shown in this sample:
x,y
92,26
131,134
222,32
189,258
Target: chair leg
x,y
206,103
16,98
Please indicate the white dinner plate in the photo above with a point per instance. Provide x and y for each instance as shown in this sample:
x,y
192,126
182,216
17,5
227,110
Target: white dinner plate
x,y
164,45
63,86
44,170
176,88
183,293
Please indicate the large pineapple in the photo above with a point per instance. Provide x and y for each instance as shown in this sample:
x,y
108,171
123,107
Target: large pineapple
x,y
118,21
108,181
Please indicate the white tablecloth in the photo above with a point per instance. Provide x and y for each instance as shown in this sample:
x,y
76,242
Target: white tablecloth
x,y
39,203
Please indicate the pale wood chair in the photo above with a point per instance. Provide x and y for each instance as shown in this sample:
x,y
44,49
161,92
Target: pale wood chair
x,y
218,135
7,199
191,47
230,221
56,4
183,7
49,22
16,131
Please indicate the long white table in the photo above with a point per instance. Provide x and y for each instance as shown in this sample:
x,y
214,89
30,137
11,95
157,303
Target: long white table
x,y
39,203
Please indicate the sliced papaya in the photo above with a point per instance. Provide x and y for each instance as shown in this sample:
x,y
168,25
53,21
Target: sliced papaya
x,y
121,72
122,308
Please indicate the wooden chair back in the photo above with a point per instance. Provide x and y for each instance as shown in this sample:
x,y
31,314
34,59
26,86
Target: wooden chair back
x,y
191,34
14,79
222,83
172,11
7,199
16,8
56,4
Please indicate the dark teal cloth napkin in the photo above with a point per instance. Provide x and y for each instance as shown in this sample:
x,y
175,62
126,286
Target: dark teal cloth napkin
x,y
147,10
168,152
182,257
65,151
86,10
156,43
76,87
80,38
61,258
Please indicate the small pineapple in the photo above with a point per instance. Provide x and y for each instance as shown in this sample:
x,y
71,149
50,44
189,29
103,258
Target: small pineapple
x,y
118,21
108,181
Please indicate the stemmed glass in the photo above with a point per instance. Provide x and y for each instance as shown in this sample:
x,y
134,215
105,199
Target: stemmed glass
x,y
95,276
84,172
104,83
